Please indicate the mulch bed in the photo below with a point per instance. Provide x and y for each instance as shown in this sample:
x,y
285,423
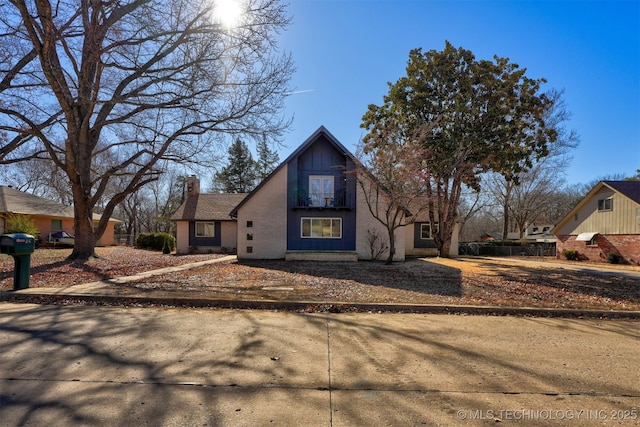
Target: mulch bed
x,y
465,281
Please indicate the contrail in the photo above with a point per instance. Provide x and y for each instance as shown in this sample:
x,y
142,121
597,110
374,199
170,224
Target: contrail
x,y
298,91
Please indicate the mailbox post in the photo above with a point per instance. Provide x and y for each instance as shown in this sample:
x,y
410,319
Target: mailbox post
x,y
20,247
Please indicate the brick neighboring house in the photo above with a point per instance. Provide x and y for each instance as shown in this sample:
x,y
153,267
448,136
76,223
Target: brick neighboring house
x,y
606,221
203,223
48,216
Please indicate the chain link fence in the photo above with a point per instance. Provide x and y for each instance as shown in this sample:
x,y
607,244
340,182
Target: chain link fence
x,y
491,249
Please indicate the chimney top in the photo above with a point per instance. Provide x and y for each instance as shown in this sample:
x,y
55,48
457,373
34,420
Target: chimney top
x,y
193,186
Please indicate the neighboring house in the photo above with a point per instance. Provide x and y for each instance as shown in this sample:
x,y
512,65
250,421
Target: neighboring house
x,y
48,216
311,207
539,233
533,233
203,224
606,221
497,236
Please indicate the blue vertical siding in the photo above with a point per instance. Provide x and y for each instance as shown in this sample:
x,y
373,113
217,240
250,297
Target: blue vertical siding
x,y
320,158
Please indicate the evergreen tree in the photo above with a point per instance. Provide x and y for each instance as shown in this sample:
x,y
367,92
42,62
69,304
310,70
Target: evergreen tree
x,y
239,176
267,160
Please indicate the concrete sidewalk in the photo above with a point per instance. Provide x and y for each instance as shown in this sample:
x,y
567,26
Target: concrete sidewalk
x,y
102,366
104,292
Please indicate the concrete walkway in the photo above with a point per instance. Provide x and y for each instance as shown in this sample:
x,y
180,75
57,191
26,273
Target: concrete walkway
x,y
104,366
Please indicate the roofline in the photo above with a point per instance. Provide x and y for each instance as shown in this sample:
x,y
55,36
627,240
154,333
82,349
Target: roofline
x,y
320,131
584,201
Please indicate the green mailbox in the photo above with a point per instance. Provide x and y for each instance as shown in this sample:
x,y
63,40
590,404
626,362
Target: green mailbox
x,y
20,247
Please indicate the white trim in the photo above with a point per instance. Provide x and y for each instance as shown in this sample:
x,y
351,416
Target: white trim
x,y
322,193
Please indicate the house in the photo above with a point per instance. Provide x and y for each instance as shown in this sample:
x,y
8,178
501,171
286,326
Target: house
x,y
497,236
606,221
419,240
540,233
310,207
48,216
203,223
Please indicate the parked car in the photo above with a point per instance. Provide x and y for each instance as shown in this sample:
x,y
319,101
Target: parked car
x,y
61,238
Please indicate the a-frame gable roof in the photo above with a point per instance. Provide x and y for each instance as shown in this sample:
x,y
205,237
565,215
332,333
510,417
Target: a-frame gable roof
x,y
321,131
629,189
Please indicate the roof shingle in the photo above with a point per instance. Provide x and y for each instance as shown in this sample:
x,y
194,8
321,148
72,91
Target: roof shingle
x,y
208,206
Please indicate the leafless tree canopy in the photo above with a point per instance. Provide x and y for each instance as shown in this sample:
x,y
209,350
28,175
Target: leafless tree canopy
x,y
111,88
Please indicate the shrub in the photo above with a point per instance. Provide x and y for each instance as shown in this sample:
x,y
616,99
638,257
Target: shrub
x,y
15,223
571,255
156,241
614,258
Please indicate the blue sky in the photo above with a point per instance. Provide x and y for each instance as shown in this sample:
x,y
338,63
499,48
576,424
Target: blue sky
x,y
347,50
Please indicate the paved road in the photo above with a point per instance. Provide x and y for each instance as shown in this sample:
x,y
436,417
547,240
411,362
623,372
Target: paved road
x,y
82,365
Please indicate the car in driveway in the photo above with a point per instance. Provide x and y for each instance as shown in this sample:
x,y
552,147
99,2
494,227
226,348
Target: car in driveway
x,y
61,238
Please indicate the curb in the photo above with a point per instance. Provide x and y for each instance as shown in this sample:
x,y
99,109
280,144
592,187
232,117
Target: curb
x,y
316,306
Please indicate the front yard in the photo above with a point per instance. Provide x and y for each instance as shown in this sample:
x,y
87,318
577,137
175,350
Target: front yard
x,y
462,281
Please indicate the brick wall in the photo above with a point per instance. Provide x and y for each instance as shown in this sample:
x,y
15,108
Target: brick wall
x,y
626,245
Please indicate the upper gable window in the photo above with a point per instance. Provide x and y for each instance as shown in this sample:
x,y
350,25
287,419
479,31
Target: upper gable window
x,y
321,190
605,204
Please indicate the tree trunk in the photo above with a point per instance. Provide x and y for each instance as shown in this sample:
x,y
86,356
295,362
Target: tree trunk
x,y
392,246
85,243
505,209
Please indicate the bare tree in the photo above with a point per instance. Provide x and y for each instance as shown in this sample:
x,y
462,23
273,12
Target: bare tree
x,y
392,183
39,177
136,82
525,195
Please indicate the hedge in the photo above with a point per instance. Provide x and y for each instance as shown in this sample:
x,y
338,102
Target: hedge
x,y
155,241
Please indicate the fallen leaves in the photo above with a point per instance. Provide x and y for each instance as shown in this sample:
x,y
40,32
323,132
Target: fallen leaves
x,y
49,267
433,281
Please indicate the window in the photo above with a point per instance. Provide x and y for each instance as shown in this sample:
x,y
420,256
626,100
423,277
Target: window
x,y
321,190
593,241
425,230
605,204
249,236
56,225
249,224
205,229
249,249
322,228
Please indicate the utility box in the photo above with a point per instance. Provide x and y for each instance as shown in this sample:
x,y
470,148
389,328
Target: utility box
x,y
20,247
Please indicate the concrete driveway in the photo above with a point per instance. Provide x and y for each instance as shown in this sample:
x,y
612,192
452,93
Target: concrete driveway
x,y
82,365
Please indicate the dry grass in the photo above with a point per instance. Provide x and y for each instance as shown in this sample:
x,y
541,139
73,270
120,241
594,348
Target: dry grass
x,y
433,281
